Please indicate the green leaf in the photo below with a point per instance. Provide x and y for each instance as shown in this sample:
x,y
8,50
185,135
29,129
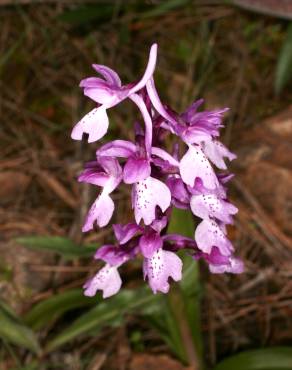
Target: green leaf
x,y
57,244
164,7
86,13
14,331
284,64
275,358
104,313
191,291
52,308
181,222
181,324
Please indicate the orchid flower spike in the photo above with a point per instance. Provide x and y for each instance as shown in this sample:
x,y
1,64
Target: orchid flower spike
x,y
161,178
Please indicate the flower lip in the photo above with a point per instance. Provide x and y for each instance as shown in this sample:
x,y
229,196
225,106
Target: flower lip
x,y
107,279
208,235
160,267
148,194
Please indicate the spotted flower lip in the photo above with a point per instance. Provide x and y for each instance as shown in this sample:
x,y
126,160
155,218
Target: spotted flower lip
x,y
100,212
194,164
174,161
208,235
206,206
107,279
148,194
160,267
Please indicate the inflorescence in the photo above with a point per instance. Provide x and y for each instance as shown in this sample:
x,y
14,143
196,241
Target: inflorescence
x,y
160,181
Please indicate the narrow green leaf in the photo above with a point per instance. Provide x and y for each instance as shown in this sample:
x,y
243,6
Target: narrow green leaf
x,y
158,321
191,291
184,301
85,13
14,331
103,314
54,307
164,7
9,53
57,244
284,64
275,358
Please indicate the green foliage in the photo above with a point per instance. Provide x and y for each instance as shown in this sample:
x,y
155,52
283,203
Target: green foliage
x,y
277,358
86,13
181,222
14,331
284,64
164,7
178,320
54,307
103,12
56,244
102,314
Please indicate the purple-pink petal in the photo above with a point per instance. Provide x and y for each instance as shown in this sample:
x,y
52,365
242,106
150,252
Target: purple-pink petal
x,y
90,176
192,110
136,169
234,266
108,74
148,71
111,166
155,100
105,172
159,224
149,243
147,120
117,148
113,255
91,82
124,233
194,134
105,94
178,189
165,156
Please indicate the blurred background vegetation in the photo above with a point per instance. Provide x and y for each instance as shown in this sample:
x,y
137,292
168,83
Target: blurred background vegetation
x,y
236,54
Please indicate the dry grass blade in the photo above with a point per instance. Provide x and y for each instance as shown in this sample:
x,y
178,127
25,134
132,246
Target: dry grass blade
x,y
47,179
